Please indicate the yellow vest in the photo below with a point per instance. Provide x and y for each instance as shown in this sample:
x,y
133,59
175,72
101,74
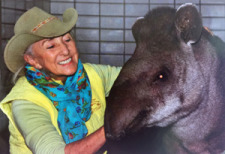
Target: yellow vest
x,y
25,91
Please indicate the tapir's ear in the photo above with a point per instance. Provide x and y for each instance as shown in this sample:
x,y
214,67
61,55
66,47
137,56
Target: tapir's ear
x,y
136,28
188,23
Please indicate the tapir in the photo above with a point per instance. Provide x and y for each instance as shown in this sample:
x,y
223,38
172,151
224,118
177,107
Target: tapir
x,y
175,80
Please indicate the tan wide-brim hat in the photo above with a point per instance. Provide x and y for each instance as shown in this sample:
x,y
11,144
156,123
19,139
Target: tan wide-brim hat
x,y
32,26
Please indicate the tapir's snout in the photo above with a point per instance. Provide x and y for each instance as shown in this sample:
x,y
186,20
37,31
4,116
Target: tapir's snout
x,y
127,110
112,131
115,131
113,120
127,116
113,135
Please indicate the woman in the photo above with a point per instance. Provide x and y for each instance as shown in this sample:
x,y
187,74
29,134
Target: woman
x,y
58,103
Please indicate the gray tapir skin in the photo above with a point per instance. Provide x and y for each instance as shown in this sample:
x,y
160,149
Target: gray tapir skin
x,y
175,79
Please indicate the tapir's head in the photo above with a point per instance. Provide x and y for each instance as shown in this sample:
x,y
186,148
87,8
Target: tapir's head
x,y
162,81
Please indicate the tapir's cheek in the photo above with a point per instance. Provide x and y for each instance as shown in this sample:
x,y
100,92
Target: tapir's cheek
x,y
164,114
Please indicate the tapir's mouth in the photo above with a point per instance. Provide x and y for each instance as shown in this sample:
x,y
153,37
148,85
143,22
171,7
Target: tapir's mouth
x,y
135,125
138,121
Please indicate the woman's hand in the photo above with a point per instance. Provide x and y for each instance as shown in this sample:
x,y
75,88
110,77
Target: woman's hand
x,y
87,145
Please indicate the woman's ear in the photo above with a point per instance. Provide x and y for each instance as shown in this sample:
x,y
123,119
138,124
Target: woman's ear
x,y
32,61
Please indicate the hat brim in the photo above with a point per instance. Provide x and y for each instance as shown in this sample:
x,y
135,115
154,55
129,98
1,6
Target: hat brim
x,y
15,48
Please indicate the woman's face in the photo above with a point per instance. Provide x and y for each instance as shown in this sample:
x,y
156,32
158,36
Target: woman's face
x,y
58,56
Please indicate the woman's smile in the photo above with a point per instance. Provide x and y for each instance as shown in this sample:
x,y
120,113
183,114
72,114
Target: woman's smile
x,y
67,61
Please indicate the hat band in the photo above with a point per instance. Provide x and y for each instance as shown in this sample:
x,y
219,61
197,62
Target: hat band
x,y
42,23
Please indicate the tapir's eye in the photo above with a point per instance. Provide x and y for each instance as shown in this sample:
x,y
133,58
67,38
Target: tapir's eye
x,y
161,76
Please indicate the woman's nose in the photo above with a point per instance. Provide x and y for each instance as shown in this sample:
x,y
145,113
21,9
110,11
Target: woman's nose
x,y
64,49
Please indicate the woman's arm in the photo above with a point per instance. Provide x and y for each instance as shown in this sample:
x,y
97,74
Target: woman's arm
x,y
40,135
88,145
35,125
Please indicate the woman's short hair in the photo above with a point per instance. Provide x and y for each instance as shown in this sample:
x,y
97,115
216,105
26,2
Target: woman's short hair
x,y
28,51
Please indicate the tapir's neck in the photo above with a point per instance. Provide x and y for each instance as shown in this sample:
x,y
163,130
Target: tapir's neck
x,y
206,121
200,123
204,126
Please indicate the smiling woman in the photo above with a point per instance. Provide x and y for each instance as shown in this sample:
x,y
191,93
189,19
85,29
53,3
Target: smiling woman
x,y
52,106
58,56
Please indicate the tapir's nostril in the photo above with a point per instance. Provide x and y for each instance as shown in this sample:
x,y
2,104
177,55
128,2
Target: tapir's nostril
x,y
108,135
111,137
115,137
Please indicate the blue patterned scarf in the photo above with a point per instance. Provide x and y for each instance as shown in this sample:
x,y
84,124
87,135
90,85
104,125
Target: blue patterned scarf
x,y
72,100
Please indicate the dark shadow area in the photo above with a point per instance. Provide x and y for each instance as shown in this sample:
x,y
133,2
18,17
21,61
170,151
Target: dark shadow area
x,y
145,141
4,141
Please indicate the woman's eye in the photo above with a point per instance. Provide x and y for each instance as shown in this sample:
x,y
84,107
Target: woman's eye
x,y
67,40
50,47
